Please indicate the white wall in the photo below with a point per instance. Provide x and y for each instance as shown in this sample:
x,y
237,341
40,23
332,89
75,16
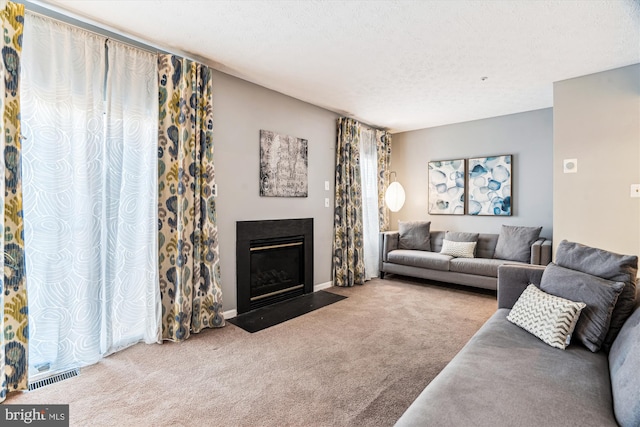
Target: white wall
x,y
527,136
241,109
597,121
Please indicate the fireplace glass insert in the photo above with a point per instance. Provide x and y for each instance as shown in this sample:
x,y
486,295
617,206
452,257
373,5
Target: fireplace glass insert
x,y
276,270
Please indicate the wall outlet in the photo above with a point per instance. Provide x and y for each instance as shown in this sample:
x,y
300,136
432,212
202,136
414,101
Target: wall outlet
x,y
570,165
326,185
214,190
326,202
635,190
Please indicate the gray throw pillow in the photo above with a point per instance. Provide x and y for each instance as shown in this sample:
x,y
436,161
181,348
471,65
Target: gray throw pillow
x,y
414,235
610,266
514,243
599,294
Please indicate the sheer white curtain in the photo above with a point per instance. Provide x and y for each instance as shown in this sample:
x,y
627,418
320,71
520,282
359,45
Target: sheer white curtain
x,y
90,159
370,219
130,220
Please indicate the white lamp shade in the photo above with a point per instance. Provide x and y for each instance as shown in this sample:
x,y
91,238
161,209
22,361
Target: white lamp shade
x,y
394,196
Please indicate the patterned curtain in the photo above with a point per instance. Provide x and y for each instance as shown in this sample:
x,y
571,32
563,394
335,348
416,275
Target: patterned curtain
x,y
383,139
188,235
348,259
14,324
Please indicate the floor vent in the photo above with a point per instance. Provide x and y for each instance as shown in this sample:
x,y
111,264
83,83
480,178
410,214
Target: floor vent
x,y
55,378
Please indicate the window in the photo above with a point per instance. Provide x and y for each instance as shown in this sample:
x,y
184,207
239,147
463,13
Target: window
x,y
89,115
370,215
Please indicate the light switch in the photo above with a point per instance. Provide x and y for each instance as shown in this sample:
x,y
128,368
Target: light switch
x,y
326,202
635,190
326,185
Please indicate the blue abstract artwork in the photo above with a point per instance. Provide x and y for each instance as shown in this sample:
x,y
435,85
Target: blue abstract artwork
x,y
446,187
490,186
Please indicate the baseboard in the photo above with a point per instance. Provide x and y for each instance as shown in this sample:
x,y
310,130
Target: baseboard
x,y
322,286
230,314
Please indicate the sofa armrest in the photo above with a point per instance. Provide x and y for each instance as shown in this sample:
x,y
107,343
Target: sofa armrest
x,y
535,251
545,252
514,279
388,243
541,252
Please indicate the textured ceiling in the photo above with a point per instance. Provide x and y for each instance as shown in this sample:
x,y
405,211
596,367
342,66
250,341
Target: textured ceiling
x,y
400,65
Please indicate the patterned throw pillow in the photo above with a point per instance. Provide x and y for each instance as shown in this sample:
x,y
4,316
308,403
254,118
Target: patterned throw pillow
x,y
548,317
458,249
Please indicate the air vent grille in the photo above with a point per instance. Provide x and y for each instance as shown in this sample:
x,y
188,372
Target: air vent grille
x,y
55,378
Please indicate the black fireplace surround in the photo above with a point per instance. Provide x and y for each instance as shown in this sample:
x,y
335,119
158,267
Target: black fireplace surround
x,y
274,261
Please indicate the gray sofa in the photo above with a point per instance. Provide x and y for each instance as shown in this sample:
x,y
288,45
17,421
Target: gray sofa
x,y
505,376
481,271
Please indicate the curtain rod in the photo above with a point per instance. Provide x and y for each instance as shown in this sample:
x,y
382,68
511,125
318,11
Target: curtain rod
x,y
53,12
365,124
95,33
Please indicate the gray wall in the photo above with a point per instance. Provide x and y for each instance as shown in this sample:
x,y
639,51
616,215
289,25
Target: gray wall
x,y
595,118
527,136
597,121
241,109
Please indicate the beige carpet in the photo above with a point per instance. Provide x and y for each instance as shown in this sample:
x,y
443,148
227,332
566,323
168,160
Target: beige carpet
x,y
358,362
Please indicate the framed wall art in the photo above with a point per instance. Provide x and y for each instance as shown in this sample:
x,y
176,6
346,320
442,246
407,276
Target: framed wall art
x,y
490,186
283,165
446,187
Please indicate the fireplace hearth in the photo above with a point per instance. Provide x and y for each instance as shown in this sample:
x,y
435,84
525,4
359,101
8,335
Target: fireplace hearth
x,y
274,261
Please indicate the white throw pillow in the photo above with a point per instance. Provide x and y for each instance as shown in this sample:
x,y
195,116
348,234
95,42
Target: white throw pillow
x,y
548,317
458,249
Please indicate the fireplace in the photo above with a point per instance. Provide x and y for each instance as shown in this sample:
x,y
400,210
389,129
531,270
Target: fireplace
x,y
274,261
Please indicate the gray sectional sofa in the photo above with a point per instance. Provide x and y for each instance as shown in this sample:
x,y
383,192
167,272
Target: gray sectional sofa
x,y
506,376
427,262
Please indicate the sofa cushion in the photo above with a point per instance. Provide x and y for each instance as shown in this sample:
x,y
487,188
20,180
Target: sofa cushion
x,y
600,296
486,246
504,376
458,249
514,242
624,360
477,266
548,317
414,235
424,259
437,237
610,266
458,236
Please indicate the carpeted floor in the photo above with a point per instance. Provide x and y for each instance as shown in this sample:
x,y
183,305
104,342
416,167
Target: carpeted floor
x,y
358,362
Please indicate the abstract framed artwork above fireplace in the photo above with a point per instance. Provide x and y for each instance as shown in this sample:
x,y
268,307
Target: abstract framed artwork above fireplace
x,y
274,261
